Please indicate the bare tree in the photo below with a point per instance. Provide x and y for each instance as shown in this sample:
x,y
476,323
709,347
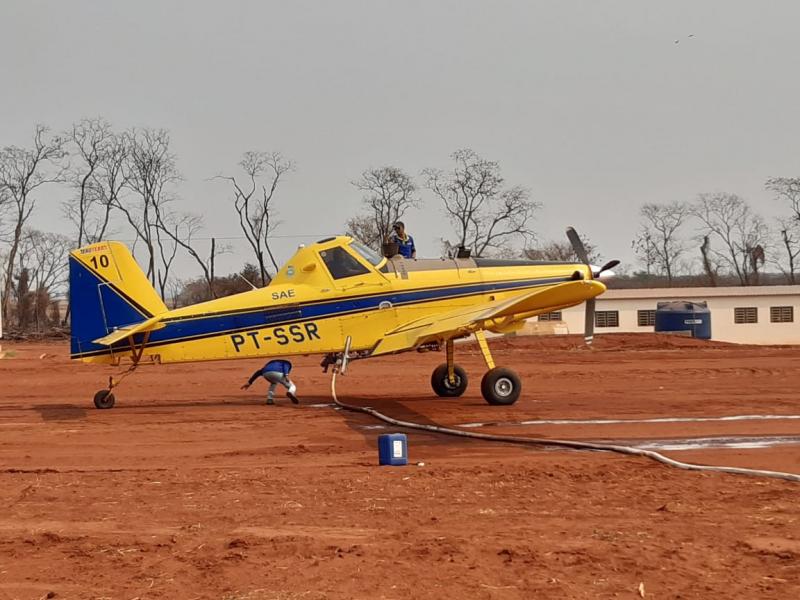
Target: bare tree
x,y
645,248
110,181
22,172
363,228
45,255
658,244
789,240
3,263
181,230
97,177
787,190
486,215
88,139
150,171
175,286
388,193
742,234
709,266
166,246
256,215
5,235
41,269
561,252
5,206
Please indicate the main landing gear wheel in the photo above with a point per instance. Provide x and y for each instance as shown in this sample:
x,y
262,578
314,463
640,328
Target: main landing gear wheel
x,y
104,399
442,385
501,386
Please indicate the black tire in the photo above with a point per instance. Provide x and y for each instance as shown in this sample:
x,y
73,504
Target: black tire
x,y
440,382
104,399
501,386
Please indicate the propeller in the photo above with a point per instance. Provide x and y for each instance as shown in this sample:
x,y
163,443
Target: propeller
x,y
606,267
577,245
588,324
583,256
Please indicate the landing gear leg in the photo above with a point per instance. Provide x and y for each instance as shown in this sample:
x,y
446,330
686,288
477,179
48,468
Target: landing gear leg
x,y
104,399
451,362
449,380
499,386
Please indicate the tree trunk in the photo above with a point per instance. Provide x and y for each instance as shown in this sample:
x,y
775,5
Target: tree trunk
x,y
262,268
12,256
788,245
712,279
211,261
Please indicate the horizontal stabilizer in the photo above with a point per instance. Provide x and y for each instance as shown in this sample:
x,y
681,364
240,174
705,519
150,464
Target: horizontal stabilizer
x,y
125,332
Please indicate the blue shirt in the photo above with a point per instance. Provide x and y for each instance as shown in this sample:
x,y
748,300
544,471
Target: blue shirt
x,y
405,247
274,366
277,366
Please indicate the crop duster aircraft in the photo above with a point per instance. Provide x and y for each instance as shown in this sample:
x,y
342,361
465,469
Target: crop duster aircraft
x,y
328,291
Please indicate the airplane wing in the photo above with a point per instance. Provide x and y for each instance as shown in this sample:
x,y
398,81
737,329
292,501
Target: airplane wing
x,y
488,315
122,333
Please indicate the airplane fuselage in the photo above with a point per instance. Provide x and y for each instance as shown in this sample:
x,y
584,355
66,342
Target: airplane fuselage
x,y
306,310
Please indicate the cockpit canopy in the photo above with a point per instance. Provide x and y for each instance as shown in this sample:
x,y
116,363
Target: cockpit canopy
x,y
335,258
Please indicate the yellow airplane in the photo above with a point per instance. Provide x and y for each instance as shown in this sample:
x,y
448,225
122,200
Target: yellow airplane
x,y
326,293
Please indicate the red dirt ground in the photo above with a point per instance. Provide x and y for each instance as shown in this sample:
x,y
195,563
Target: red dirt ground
x,y
191,488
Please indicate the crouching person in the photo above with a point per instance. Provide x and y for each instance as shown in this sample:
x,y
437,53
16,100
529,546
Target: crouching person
x,y
275,372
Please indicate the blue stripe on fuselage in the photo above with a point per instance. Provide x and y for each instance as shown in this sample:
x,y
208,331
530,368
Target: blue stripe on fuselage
x,y
199,326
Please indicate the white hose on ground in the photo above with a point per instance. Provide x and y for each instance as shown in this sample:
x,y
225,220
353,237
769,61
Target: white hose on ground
x,y
513,439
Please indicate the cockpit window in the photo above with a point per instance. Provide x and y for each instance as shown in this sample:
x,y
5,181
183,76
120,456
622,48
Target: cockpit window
x,y
367,253
340,264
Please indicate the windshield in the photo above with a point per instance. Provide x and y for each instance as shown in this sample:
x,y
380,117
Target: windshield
x,y
368,253
340,264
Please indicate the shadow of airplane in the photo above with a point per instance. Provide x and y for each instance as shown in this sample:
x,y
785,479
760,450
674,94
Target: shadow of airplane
x,y
364,425
60,412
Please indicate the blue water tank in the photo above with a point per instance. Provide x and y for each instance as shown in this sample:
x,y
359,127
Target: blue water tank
x,y
692,318
393,449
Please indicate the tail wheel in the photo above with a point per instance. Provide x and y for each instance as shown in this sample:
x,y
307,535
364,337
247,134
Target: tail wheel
x,y
501,386
104,399
442,385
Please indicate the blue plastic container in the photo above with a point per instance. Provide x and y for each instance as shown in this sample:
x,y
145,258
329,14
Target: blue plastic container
x,y
393,449
691,318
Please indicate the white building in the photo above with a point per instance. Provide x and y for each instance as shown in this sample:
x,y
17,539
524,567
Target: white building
x,y
745,315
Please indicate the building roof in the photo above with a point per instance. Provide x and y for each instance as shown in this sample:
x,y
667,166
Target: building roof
x,y
701,292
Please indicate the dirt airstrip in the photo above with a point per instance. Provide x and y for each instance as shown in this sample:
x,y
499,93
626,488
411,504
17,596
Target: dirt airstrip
x,y
191,488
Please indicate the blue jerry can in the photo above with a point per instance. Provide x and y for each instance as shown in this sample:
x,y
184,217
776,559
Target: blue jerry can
x,y
393,449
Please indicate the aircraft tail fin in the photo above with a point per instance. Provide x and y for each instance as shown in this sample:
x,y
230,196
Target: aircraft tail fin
x,y
108,292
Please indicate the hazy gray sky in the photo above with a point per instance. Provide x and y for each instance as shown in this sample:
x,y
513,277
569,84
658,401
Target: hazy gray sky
x,y
592,105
